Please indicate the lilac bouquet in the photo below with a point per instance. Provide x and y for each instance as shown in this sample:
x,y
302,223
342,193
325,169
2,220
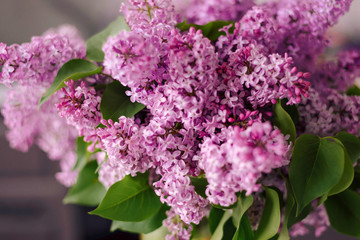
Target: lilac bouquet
x,y
224,115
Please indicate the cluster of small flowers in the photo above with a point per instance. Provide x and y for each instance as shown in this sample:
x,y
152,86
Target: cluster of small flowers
x,y
178,230
294,27
208,105
194,90
204,11
238,163
328,109
81,108
330,112
121,141
31,67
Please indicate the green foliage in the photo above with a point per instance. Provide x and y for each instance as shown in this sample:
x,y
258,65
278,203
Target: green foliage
x,y
200,184
242,205
94,44
291,110
344,212
82,155
219,231
270,218
353,91
244,231
214,218
87,190
284,122
209,30
116,103
146,226
240,219
289,205
73,69
346,178
131,199
317,166
351,144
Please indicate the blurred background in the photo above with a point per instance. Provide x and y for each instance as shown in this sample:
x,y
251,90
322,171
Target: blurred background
x,y
30,198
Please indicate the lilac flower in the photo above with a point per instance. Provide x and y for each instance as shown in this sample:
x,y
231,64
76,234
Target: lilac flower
x,y
27,126
81,108
33,66
177,228
204,11
260,78
122,143
329,112
302,26
339,74
237,163
175,189
130,58
37,62
142,14
192,64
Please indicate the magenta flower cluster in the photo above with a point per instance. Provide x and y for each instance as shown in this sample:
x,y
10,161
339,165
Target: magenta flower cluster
x,y
29,70
208,104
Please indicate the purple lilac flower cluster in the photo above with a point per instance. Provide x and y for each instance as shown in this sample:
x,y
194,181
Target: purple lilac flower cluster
x,y
199,95
204,11
29,70
208,104
238,162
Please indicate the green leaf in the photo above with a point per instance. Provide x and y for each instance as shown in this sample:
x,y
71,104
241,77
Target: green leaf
x,y
346,179
243,204
270,218
316,167
82,154
94,44
291,110
200,184
87,191
228,230
131,199
116,103
146,226
351,143
353,91
284,122
209,30
344,212
290,202
219,232
73,69
293,218
214,218
244,231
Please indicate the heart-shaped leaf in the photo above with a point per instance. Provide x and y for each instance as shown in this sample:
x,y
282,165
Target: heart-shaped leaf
x,y
87,190
131,199
344,212
146,226
351,144
317,165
